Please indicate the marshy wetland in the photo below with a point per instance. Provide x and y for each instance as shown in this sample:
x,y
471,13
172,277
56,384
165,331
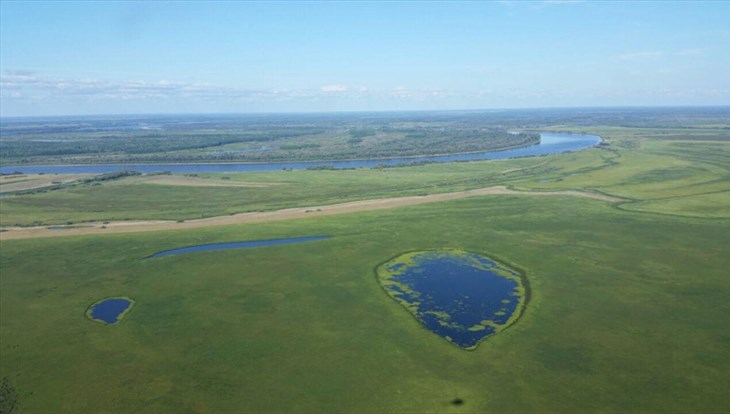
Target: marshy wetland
x,y
624,310
110,311
461,296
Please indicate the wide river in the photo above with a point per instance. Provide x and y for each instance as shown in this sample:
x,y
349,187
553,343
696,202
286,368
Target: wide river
x,y
550,143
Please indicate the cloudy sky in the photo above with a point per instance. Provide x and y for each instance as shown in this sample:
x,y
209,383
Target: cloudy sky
x,y
66,58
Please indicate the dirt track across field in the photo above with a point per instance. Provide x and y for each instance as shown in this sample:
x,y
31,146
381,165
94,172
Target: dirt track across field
x,y
11,233
10,183
186,181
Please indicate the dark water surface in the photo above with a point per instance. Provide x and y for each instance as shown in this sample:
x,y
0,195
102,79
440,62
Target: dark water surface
x,y
461,296
238,245
550,143
109,310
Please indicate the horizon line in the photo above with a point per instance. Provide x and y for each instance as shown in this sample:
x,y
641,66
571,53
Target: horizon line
x,y
383,111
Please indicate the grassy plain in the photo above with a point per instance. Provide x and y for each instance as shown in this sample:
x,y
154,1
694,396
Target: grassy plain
x,y
626,315
133,198
658,175
628,308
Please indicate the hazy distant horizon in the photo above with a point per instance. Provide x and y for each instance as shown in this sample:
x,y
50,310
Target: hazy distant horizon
x,y
398,111
99,58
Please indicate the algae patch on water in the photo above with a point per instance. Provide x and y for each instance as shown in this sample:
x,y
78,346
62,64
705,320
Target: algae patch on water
x,y
461,296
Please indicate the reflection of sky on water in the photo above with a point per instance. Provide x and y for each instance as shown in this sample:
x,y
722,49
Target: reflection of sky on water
x,y
459,297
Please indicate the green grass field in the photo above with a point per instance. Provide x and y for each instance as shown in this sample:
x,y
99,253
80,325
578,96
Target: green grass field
x,y
658,176
628,308
132,198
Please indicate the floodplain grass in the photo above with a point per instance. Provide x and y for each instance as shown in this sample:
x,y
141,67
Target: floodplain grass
x,y
689,178
650,171
697,205
130,198
635,163
626,315
627,309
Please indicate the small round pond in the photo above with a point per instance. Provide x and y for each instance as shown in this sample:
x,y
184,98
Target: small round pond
x,y
461,296
110,310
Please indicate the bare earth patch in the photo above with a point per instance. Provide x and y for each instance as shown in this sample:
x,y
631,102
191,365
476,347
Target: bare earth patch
x,y
182,180
33,181
11,233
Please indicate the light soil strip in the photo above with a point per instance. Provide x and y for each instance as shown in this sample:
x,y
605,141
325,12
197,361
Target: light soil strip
x,y
33,181
11,233
197,181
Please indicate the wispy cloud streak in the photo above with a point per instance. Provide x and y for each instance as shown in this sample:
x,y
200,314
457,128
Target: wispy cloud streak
x,y
641,55
25,85
30,85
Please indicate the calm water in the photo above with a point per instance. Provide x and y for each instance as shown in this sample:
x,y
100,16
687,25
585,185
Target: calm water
x,y
109,310
462,296
238,245
550,143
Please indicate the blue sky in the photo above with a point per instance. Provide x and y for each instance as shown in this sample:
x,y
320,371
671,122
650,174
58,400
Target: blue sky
x,y
68,58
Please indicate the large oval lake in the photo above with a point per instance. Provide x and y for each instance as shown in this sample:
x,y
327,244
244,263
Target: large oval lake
x,y
461,296
550,143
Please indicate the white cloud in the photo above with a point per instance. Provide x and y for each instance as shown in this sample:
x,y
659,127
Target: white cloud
x,y
93,89
648,55
400,92
24,86
550,2
537,5
641,55
690,52
334,88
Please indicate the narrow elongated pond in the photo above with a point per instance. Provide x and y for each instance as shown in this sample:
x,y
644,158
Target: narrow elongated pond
x,y
110,310
461,296
237,245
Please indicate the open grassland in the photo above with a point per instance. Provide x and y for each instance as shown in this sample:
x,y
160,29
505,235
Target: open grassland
x,y
133,198
657,175
683,177
14,183
193,181
627,314
277,215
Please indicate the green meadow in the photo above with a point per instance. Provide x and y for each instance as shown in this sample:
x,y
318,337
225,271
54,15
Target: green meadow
x,y
628,309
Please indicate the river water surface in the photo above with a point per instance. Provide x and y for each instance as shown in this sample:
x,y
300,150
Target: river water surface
x,y
550,143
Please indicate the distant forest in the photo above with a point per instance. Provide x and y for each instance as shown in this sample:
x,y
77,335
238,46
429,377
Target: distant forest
x,y
302,137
